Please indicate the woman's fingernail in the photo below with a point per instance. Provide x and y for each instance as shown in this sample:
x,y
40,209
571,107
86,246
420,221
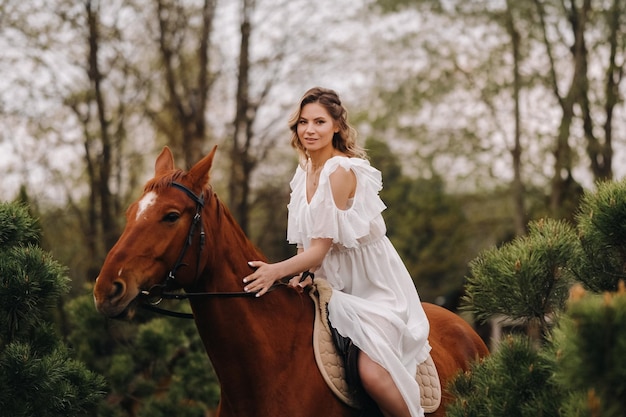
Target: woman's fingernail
x,y
250,263
245,280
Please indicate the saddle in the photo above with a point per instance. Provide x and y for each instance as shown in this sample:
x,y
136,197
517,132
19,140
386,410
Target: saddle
x,y
332,365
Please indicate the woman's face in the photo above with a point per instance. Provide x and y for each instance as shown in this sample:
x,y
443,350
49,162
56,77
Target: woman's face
x,y
316,128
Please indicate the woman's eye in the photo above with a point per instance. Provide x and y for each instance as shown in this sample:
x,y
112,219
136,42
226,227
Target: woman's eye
x,y
171,217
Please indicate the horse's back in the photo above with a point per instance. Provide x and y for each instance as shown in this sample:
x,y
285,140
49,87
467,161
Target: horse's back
x,y
449,330
455,345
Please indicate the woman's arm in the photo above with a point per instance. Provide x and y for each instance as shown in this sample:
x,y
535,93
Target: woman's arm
x,y
343,186
266,274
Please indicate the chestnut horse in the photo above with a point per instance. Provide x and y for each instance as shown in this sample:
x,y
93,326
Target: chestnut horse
x,y
179,234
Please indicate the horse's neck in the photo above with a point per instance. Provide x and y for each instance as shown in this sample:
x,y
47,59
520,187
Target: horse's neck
x,y
227,251
251,340
254,332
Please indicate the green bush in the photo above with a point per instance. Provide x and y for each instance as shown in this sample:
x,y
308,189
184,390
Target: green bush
x,y
154,365
588,345
576,367
37,375
515,381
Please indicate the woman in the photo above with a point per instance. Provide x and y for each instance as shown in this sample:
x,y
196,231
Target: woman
x,y
335,220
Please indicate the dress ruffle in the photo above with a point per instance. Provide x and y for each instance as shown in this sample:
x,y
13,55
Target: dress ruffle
x,y
321,217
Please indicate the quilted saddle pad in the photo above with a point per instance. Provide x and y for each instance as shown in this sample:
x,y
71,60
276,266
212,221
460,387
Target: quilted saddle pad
x,y
331,364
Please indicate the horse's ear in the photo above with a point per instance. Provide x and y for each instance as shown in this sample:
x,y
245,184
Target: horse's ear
x,y
164,162
199,173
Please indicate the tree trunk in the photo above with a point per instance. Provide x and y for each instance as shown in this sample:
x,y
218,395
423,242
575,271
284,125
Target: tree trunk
x,y
563,185
517,185
107,213
242,162
601,154
187,101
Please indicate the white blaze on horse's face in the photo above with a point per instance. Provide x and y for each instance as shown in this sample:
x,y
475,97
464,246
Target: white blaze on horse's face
x,y
145,203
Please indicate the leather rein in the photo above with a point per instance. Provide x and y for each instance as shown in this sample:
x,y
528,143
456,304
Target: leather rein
x,y
160,292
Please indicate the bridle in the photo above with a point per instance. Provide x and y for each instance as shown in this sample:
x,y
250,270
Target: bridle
x,y
163,291
197,219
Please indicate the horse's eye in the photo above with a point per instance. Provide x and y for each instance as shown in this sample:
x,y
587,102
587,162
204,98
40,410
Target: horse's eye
x,y
171,217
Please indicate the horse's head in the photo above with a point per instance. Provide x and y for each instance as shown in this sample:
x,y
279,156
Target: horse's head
x,y
159,226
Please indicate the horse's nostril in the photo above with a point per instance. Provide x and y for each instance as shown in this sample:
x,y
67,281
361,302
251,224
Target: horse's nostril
x,y
118,289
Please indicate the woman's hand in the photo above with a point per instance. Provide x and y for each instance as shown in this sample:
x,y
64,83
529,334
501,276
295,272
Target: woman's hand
x,y
266,274
299,284
262,279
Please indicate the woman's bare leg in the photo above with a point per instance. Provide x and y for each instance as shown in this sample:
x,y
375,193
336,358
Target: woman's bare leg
x,y
380,386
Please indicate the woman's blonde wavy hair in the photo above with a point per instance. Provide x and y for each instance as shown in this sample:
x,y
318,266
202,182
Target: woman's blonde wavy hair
x,y
344,140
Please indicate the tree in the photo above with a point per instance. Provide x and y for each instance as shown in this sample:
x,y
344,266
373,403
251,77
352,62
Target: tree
x,y
602,235
241,160
37,374
562,179
425,224
587,346
102,224
579,372
526,279
253,140
187,75
517,185
514,381
529,65
91,121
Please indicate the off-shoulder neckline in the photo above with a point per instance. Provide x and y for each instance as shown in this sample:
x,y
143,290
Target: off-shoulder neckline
x,y
306,175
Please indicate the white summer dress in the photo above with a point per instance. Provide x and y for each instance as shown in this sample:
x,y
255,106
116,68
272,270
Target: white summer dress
x,y
374,301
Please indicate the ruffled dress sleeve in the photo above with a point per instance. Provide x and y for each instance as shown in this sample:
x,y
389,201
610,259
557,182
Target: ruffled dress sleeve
x,y
346,227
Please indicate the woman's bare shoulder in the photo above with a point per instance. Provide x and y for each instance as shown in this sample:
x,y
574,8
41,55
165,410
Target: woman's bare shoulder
x,y
343,186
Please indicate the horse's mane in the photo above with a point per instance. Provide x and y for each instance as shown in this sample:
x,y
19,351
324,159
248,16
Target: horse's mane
x,y
157,184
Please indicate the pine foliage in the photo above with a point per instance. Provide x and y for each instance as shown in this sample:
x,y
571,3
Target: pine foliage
x,y
589,345
17,227
578,368
37,375
527,278
513,382
154,366
602,229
